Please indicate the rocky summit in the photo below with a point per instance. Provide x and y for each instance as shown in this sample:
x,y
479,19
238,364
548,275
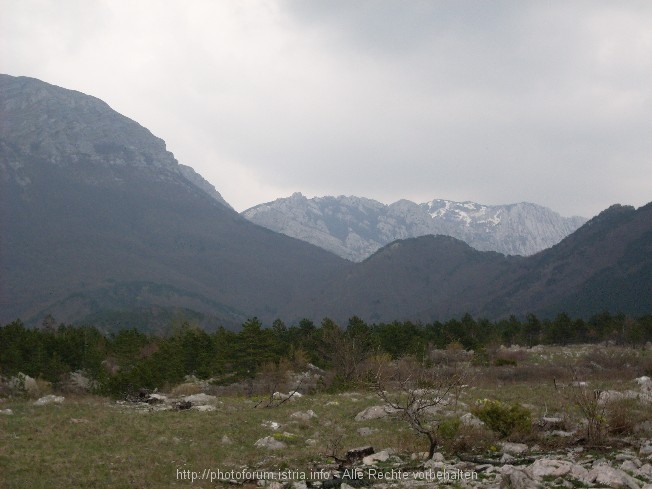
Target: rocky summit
x,y
356,227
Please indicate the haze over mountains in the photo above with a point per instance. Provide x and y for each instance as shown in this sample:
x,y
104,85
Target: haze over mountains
x,y
354,227
99,223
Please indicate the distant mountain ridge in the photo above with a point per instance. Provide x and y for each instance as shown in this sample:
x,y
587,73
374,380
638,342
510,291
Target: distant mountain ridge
x,y
356,227
100,224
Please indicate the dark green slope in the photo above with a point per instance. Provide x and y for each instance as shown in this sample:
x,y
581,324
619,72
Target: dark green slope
x,y
92,201
604,266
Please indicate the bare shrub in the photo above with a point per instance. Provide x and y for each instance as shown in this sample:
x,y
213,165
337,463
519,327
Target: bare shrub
x,y
522,373
620,419
453,354
587,402
272,377
512,356
186,389
644,366
611,363
416,396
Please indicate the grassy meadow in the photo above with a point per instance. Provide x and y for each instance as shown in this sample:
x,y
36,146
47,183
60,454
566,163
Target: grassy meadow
x,y
90,441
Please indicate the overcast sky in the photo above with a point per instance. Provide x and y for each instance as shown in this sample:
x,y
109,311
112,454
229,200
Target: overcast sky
x,y
491,101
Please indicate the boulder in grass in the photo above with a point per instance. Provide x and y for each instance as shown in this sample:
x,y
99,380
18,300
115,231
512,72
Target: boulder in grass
x,y
201,399
381,456
270,443
514,448
50,399
304,415
204,408
23,383
609,476
374,412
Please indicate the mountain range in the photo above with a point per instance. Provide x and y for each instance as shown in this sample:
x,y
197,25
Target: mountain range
x,y
355,228
99,221
100,224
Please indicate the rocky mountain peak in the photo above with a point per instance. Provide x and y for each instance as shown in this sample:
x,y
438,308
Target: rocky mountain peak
x,y
64,126
356,227
48,125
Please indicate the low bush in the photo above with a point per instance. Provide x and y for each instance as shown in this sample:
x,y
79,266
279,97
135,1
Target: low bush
x,y
504,419
504,362
456,437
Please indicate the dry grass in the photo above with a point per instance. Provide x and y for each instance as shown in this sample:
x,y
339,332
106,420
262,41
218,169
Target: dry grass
x,y
186,389
93,442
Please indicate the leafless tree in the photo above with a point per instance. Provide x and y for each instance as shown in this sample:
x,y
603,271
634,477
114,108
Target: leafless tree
x,y
414,394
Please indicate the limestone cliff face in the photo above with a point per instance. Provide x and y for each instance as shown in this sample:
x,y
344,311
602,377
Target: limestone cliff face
x,y
51,125
354,227
64,126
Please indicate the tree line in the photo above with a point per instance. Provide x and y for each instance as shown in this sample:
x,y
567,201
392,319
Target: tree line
x,y
130,359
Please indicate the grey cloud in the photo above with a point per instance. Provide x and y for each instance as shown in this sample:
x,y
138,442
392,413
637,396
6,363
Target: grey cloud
x,y
489,101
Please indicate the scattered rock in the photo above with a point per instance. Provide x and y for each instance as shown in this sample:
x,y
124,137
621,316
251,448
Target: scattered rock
x,y
552,423
562,433
182,405
156,398
374,412
381,456
289,396
438,457
7,412
609,476
646,448
434,465
304,415
646,470
513,478
226,440
200,399
612,395
507,458
204,408
272,425
514,448
23,383
546,467
365,431
629,466
356,454
270,443
50,399
79,421
469,419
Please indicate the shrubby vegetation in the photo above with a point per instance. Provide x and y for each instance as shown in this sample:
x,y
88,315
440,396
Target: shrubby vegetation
x,y
503,418
128,360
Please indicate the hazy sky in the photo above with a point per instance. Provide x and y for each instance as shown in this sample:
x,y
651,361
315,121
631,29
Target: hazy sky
x,y
491,101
